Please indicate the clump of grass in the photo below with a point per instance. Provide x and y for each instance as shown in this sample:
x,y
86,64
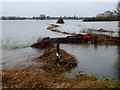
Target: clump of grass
x,y
43,43
62,79
65,63
112,84
30,78
85,81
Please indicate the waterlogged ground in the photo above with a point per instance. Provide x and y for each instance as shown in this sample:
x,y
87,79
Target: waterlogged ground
x,y
102,61
45,72
18,35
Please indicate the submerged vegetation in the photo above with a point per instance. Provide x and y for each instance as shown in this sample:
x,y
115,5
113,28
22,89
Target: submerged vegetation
x,y
97,36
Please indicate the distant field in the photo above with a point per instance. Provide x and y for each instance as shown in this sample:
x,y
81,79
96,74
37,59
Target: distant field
x,y
52,19
40,19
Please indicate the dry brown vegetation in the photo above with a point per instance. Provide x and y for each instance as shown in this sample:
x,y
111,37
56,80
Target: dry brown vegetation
x,y
45,43
28,79
88,82
50,74
33,76
102,30
100,39
65,62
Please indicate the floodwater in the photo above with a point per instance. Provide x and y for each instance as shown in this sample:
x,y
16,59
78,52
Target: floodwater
x,y
18,35
102,61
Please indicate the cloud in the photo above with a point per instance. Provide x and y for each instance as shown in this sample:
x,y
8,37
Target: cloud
x,y
56,8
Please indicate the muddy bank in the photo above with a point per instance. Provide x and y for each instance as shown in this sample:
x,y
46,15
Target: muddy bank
x,y
103,30
100,39
49,73
44,43
66,61
43,74
52,28
46,72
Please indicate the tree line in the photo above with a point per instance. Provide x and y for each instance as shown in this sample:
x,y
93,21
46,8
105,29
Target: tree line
x,y
41,17
12,18
105,16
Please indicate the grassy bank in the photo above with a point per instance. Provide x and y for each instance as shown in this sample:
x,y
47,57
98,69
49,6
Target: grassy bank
x,y
42,75
50,74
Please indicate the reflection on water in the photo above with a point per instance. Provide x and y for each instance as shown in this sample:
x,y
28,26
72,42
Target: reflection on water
x,y
96,60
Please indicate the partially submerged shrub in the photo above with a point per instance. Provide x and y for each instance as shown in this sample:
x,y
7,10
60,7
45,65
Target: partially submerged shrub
x,y
60,20
45,43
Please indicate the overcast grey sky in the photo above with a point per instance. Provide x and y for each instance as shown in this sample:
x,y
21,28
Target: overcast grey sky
x,y
81,9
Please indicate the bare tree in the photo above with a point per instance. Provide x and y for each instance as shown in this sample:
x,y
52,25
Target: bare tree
x,y
108,14
118,10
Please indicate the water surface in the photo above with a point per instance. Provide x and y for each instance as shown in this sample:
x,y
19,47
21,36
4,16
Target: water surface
x,y
18,35
102,61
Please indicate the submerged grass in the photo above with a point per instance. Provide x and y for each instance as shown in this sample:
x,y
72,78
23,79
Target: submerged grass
x,y
96,38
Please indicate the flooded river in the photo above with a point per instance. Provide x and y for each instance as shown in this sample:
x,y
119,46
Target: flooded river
x,y
17,36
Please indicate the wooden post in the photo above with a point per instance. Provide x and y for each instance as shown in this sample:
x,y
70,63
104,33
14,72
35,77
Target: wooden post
x,y
58,49
58,53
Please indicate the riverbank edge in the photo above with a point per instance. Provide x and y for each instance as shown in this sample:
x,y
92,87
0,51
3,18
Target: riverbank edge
x,y
96,38
53,75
